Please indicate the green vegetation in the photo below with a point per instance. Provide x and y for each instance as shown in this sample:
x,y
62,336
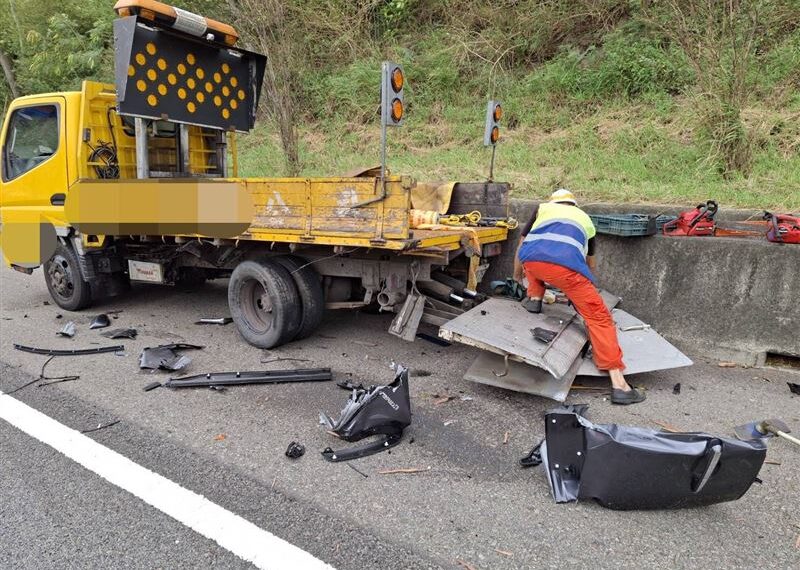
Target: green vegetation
x,y
669,101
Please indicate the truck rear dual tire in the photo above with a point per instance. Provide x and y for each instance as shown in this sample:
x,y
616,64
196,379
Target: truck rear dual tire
x,y
309,288
275,300
264,303
62,274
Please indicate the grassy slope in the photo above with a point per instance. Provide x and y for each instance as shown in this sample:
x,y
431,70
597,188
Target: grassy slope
x,y
567,123
642,152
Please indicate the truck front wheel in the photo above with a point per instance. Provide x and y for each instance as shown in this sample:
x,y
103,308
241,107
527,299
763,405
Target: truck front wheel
x,y
264,303
64,280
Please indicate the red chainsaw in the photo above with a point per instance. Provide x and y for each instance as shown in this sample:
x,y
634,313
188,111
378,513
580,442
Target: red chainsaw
x,y
697,222
783,228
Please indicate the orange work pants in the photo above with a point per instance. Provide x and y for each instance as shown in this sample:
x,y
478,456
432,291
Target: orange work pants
x,y
589,304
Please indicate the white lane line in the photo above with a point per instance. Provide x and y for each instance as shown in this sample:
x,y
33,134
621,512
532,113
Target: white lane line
x,y
230,531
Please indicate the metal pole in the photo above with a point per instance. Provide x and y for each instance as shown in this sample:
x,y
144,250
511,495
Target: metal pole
x,y
384,120
491,164
142,160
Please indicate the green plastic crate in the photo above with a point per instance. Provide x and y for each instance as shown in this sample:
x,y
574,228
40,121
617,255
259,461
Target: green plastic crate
x,y
629,225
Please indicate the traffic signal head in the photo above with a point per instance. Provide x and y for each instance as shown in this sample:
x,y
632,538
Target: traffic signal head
x,y
393,106
494,112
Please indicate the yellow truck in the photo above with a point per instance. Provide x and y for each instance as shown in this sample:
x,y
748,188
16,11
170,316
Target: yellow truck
x,y
137,181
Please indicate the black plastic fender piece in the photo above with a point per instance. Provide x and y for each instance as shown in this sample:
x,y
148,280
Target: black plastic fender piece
x,y
627,468
254,377
377,410
359,451
76,352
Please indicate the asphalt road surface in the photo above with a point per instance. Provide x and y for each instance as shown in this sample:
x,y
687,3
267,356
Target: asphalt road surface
x,y
470,507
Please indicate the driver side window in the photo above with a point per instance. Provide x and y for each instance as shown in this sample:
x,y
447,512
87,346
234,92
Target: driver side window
x,y
31,139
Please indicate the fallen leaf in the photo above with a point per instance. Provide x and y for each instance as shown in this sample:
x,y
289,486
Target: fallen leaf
x,y
220,437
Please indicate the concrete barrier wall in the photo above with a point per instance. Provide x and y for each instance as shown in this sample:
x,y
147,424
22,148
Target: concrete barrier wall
x,y
734,299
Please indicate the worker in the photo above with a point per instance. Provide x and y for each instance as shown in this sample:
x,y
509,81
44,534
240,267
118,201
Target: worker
x,y
557,246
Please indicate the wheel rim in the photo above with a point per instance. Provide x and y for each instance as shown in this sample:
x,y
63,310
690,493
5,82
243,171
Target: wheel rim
x,y
61,279
257,307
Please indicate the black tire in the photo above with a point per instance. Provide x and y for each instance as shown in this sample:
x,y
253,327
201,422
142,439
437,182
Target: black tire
x,y
264,303
309,287
62,274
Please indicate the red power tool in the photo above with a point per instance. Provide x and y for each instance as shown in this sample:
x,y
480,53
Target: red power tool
x,y
783,228
697,222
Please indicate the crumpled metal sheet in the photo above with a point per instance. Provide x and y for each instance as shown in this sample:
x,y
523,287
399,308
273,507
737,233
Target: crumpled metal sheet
x,y
100,321
165,357
68,330
375,410
626,468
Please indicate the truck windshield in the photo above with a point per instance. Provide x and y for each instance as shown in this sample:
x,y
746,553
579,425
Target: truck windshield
x,y
31,139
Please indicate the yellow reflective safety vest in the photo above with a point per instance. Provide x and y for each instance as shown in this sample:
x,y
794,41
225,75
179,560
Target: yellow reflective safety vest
x,y
560,235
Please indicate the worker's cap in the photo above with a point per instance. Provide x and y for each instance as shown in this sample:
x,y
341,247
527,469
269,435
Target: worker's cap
x,y
563,195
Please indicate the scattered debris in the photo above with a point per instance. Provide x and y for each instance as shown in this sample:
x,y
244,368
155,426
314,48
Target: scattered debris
x,y
404,470
543,335
676,389
794,388
165,357
101,426
505,437
667,427
727,364
763,429
466,565
357,470
503,552
100,321
152,386
448,422
63,352
434,339
120,333
642,327
282,359
53,379
365,343
769,462
295,450
348,385
214,321
68,330
220,437
627,468
46,303
58,316
219,379
378,410
443,400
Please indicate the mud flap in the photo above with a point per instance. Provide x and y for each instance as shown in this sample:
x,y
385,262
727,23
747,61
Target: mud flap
x,y
377,410
627,468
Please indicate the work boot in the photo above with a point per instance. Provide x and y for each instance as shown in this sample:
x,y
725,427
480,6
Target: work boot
x,y
623,398
532,305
